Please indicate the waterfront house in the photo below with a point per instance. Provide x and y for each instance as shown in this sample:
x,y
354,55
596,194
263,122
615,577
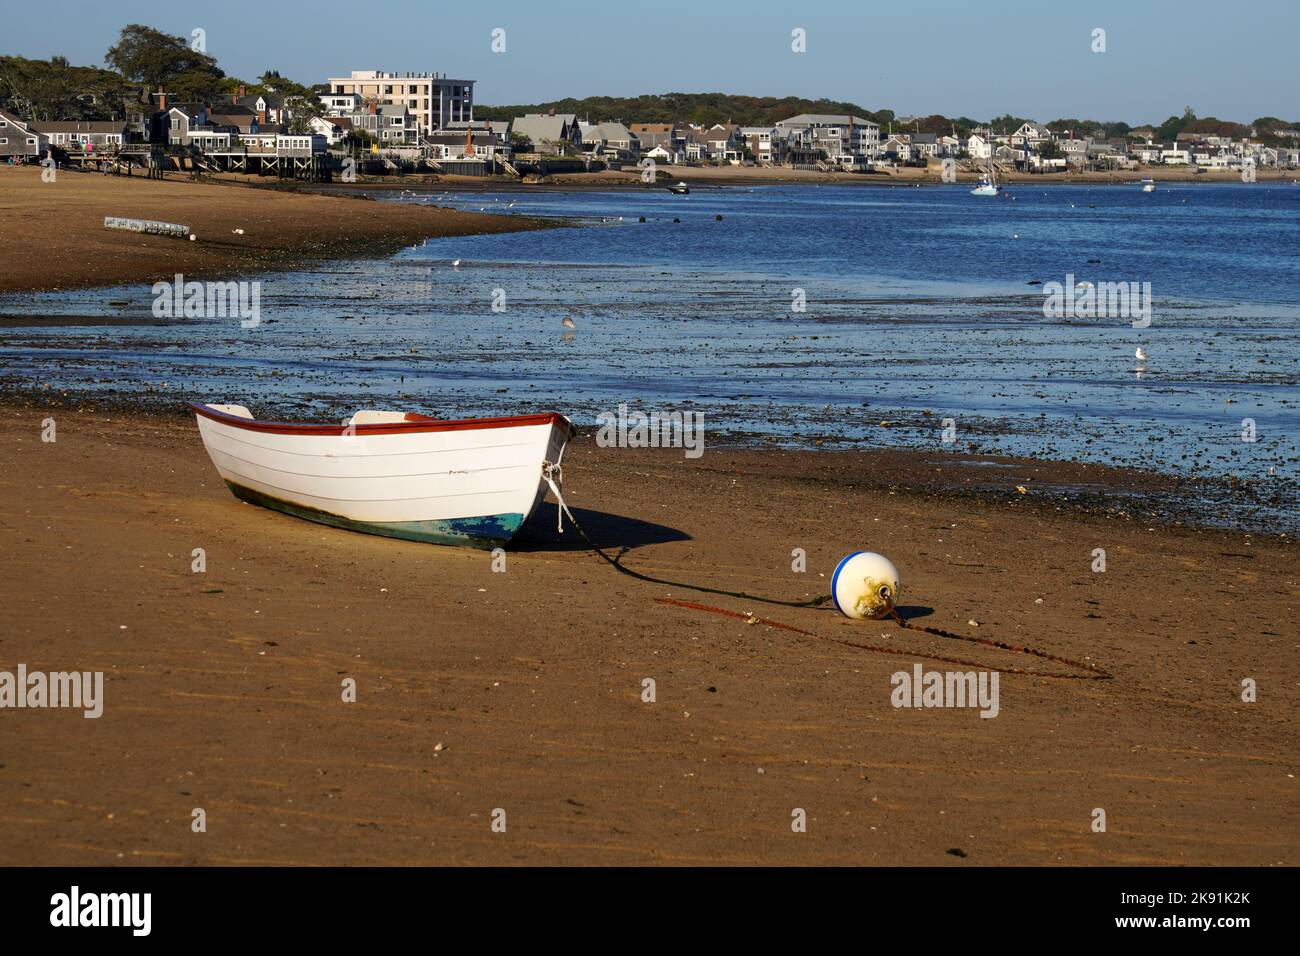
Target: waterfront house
x,y
240,117
548,132
897,148
610,140
1074,151
845,140
84,136
671,155
1147,152
18,140
1029,135
764,142
333,128
978,146
487,143
341,104
650,135
500,128
925,146
389,124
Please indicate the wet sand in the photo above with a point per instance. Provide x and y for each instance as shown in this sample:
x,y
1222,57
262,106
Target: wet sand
x,y
522,690
54,235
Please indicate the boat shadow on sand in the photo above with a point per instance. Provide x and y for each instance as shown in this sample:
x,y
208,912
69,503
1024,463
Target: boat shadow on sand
x,y
614,533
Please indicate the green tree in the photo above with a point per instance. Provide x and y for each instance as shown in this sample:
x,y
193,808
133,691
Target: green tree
x,y
1170,128
150,57
54,90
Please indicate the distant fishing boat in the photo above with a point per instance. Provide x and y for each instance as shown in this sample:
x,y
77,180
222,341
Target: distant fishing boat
x,y
679,189
467,482
988,185
1148,185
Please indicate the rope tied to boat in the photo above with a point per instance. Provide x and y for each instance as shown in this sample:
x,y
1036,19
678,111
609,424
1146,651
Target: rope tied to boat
x,y
1089,671
554,477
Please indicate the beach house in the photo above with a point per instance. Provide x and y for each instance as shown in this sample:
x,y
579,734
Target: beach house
x,y
845,140
84,136
18,141
547,132
610,140
390,124
979,144
764,142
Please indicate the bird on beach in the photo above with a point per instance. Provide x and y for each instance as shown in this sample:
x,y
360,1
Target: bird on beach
x,y
568,322
1140,355
455,263
238,232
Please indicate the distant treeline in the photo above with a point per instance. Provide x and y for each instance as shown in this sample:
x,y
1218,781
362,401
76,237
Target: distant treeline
x,y
702,108
142,59
709,108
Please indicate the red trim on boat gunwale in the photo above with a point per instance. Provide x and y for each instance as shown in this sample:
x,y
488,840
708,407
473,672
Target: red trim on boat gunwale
x,y
421,423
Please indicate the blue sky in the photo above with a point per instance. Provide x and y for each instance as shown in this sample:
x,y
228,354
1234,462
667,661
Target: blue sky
x,y
1231,58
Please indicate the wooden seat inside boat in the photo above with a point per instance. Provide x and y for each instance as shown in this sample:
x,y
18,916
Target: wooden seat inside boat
x,y
237,410
374,417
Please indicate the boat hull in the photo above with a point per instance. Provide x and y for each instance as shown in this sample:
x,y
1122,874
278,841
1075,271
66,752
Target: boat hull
x,y
467,483
484,531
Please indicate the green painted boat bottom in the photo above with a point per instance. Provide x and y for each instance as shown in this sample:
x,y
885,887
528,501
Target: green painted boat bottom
x,y
486,531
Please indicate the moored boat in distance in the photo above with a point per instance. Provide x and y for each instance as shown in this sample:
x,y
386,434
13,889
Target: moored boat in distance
x,y
1148,185
679,189
988,184
462,482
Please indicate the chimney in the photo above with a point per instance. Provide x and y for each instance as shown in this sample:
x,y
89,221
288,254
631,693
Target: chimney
x,y
371,105
261,117
162,99
243,91
234,98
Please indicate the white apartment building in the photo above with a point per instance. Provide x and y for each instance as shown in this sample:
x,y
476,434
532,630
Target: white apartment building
x,y
433,99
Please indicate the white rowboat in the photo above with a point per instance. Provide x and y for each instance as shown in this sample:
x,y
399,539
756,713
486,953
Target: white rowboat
x,y
468,482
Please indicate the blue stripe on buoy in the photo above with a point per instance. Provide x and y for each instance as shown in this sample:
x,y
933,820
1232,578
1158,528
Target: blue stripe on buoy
x,y
835,598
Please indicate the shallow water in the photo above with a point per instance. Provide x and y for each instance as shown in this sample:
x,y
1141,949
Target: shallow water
x,y
917,311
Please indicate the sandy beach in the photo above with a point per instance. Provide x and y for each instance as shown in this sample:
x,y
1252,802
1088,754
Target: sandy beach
x,y
522,690
55,236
